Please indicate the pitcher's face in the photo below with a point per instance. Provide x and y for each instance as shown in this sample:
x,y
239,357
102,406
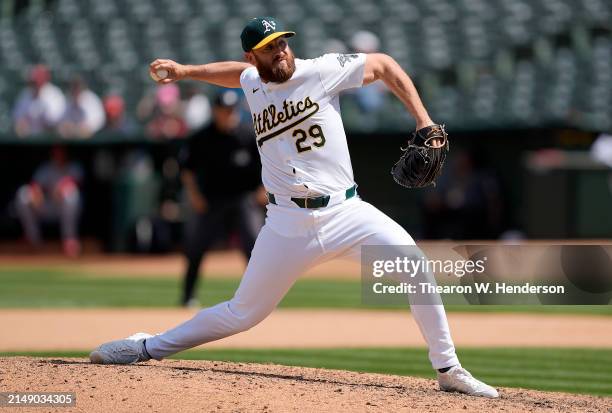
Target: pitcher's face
x,y
275,61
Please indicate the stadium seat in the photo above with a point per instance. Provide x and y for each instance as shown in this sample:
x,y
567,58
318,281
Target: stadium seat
x,y
471,47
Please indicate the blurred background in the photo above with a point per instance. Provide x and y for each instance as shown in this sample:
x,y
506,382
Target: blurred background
x,y
114,189
523,86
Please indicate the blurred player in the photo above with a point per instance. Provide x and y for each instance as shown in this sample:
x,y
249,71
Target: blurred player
x,y
223,185
53,195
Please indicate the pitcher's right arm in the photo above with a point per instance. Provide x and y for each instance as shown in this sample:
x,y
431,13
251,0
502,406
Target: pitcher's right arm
x,y
225,74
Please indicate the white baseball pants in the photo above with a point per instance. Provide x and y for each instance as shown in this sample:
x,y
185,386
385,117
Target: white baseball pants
x,y
293,240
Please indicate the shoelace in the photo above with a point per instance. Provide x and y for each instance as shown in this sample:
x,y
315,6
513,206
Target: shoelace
x,y
125,351
466,377
464,372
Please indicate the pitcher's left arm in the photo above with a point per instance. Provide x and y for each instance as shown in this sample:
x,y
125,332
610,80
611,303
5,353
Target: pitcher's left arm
x,y
384,67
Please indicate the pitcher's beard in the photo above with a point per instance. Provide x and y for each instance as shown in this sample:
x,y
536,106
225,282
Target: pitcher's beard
x,y
277,74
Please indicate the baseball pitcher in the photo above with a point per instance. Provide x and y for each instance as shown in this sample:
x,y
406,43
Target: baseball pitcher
x,y
314,212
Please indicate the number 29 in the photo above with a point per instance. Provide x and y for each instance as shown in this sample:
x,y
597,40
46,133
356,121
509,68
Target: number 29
x,y
315,132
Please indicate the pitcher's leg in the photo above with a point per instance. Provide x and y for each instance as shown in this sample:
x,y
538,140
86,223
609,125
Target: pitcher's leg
x,y
372,227
275,264
433,324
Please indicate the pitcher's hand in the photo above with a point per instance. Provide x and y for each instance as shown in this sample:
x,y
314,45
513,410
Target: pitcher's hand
x,y
176,71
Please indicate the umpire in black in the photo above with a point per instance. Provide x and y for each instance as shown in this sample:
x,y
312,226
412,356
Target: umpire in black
x,y
221,174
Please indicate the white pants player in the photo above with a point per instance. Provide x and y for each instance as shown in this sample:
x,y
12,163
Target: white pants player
x,y
295,105
292,241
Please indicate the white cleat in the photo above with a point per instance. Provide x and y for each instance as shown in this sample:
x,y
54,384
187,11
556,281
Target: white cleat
x,y
460,380
127,351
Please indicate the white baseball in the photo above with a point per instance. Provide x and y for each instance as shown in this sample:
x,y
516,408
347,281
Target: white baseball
x,y
159,74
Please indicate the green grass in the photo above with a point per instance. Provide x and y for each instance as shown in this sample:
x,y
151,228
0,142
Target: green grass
x,y
574,370
48,288
53,288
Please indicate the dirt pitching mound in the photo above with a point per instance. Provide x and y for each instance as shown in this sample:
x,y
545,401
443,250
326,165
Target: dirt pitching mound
x,y
203,386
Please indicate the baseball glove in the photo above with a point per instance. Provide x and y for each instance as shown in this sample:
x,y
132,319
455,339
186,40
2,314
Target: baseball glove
x,y
421,163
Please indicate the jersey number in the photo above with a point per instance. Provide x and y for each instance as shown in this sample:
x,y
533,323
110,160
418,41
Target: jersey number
x,y
315,132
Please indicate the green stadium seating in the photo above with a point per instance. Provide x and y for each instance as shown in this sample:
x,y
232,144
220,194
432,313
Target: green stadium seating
x,y
478,63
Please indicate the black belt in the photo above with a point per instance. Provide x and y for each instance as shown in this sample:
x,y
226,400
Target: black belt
x,y
317,202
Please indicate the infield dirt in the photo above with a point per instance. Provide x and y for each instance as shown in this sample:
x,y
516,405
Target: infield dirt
x,y
204,386
83,329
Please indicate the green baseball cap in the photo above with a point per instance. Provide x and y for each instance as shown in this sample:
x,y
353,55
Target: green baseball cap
x,y
261,31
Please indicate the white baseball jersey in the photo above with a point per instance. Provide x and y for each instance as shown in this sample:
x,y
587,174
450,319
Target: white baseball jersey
x,y
298,125
304,152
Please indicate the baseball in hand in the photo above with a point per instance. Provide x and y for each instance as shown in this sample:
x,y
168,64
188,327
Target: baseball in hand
x,y
158,74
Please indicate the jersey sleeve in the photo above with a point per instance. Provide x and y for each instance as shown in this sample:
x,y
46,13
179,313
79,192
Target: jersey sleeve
x,y
247,76
341,71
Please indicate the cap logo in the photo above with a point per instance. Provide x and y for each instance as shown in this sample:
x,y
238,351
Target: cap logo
x,y
268,25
